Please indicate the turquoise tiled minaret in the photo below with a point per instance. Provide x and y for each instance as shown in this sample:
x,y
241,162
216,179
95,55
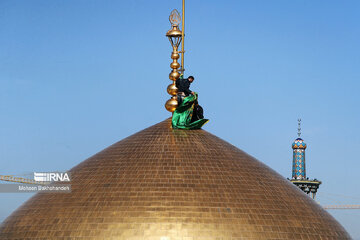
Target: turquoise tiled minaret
x,y
298,168
309,186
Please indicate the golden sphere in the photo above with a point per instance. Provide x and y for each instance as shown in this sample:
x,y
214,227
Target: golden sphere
x,y
175,56
175,65
171,105
174,75
172,89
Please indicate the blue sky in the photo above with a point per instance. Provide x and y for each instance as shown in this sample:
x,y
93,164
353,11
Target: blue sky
x,y
77,76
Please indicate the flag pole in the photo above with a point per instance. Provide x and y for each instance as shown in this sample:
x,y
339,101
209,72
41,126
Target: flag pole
x,y
183,39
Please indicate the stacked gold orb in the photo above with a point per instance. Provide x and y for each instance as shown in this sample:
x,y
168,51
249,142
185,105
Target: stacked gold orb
x,y
175,37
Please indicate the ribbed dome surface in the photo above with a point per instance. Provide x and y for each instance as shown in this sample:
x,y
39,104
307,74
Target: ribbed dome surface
x,y
164,184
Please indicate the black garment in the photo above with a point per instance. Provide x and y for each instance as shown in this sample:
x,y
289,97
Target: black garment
x,y
183,85
198,113
179,98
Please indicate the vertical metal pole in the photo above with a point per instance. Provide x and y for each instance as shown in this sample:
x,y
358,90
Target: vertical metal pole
x,y
183,33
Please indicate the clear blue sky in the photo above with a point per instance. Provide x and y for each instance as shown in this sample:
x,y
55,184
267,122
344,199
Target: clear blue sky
x,y
77,76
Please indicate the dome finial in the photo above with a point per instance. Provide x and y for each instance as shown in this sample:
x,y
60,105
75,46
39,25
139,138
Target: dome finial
x,y
299,127
175,36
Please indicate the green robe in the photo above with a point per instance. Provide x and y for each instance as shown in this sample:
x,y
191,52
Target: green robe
x,y
182,115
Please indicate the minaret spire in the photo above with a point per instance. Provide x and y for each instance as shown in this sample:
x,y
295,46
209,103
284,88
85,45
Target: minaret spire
x,y
299,127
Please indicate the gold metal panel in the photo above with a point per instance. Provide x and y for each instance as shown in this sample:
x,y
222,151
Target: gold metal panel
x,y
164,184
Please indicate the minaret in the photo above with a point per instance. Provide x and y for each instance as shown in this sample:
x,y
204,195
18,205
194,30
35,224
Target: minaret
x,y
299,146
309,186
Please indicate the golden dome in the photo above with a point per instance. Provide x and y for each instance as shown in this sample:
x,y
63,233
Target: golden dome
x,y
164,184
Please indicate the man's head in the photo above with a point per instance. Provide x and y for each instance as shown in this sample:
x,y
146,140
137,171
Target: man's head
x,y
191,79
